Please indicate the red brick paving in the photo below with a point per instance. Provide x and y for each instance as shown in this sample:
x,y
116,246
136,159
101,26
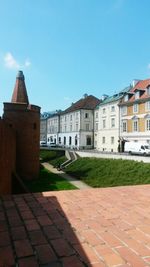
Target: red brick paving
x,y
94,228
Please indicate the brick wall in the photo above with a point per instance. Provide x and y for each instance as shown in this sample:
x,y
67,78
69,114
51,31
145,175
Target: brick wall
x,y
7,157
26,121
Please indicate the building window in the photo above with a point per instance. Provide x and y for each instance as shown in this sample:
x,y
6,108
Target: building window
x,y
103,139
86,115
124,110
65,128
135,108
65,118
77,115
148,90
104,110
135,126
96,115
76,140
147,105
87,126
71,117
104,123
88,141
112,122
124,126
112,140
77,127
112,108
70,140
96,126
64,140
70,127
137,95
148,125
126,98
59,140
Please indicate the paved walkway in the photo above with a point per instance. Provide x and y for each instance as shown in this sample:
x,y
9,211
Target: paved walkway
x,y
77,228
79,184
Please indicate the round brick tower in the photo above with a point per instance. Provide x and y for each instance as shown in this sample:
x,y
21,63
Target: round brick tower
x,y
25,120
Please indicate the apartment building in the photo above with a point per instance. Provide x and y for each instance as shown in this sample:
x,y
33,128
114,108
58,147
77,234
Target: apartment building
x,y
135,112
107,120
77,124
53,128
43,128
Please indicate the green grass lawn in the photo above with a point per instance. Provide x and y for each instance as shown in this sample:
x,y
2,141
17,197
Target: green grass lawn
x,y
110,172
48,182
54,157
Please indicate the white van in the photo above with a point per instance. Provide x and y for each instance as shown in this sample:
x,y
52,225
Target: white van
x,y
137,148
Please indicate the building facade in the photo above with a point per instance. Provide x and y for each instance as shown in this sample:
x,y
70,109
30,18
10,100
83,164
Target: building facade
x,y
135,113
53,129
107,123
74,127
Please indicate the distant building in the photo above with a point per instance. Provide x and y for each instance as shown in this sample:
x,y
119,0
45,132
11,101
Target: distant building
x,y
107,123
77,124
43,128
135,112
53,129
19,136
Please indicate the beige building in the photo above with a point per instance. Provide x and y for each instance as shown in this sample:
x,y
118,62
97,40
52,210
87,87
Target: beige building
x,y
135,113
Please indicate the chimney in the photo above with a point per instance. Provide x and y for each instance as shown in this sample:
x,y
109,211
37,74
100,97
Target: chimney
x,y
20,92
85,95
104,97
134,82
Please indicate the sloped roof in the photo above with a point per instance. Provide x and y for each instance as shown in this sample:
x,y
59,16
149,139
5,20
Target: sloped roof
x,y
20,92
141,85
116,96
89,102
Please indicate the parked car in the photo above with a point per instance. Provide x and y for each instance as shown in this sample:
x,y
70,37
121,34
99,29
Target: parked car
x,y
43,144
51,144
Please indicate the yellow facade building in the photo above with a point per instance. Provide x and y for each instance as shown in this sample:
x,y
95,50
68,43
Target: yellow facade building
x,y
135,113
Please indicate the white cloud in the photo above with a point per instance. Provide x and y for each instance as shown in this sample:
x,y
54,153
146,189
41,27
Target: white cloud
x,y
11,63
27,63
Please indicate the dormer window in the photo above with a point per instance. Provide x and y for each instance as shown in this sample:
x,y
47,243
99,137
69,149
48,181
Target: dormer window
x,y
148,90
137,95
126,97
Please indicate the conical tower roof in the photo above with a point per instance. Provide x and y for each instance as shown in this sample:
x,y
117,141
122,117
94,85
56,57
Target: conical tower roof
x,y
20,92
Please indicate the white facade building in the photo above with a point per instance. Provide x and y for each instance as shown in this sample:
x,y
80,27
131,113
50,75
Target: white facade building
x,y
76,129
107,123
77,124
53,129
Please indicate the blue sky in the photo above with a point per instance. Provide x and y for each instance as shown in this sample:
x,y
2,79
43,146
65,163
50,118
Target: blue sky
x,y
70,47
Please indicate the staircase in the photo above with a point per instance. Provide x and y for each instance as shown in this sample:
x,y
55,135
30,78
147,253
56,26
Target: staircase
x,y
71,157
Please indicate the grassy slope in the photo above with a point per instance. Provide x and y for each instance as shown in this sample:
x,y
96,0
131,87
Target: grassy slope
x,y
109,172
55,158
48,182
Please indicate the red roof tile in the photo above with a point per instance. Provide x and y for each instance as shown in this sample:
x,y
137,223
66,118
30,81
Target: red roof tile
x,y
141,85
